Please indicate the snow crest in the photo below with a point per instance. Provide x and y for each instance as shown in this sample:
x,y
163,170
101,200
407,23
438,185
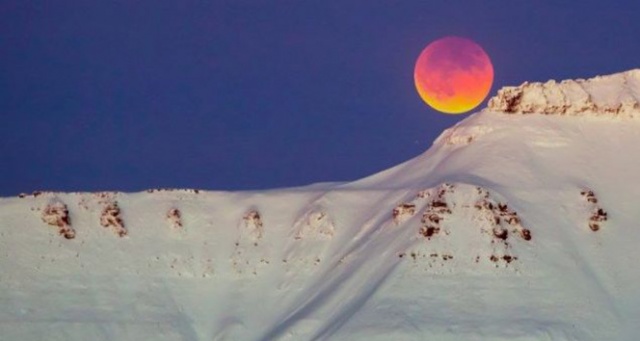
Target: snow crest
x,y
617,94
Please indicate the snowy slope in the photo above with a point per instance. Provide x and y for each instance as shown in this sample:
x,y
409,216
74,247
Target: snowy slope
x,y
511,227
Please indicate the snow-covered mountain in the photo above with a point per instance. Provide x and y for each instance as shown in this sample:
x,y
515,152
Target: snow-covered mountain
x,y
510,227
616,94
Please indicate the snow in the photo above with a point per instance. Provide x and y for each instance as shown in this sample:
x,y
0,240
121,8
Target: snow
x,y
432,249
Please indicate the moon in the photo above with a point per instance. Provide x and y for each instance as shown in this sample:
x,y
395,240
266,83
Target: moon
x,y
453,75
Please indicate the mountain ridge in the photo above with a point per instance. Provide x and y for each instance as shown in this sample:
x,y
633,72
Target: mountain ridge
x,y
510,227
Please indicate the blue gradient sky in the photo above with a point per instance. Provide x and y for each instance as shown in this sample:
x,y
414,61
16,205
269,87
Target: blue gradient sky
x,y
129,95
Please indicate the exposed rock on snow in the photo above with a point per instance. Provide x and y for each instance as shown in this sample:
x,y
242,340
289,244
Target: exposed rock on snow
x,y
56,214
598,214
110,217
617,94
460,136
174,216
403,212
505,219
494,228
435,212
253,225
184,190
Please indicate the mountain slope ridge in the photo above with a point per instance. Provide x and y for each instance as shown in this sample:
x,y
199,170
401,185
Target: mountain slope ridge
x,y
434,248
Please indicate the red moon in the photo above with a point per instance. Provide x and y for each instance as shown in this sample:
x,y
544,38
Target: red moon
x,y
453,75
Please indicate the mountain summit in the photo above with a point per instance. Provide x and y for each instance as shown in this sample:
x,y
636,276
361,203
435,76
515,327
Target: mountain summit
x,y
510,227
617,94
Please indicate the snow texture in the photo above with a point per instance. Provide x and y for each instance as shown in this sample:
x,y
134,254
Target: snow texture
x,y
510,227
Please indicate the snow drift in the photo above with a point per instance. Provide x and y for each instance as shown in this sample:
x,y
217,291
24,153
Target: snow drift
x,y
511,227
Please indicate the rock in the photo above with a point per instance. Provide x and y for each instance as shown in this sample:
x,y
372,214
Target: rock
x,y
57,214
614,95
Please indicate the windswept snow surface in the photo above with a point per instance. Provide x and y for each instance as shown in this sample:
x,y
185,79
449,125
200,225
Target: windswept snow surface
x,y
511,227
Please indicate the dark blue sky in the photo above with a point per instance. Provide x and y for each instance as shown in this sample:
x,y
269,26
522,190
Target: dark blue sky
x,y
129,95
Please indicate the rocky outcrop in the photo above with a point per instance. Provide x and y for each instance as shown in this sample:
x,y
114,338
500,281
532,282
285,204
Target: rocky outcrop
x,y
597,214
56,214
253,226
174,217
111,218
403,212
617,94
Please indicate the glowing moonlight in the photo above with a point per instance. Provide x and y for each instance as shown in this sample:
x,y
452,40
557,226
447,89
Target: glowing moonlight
x,y
453,75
